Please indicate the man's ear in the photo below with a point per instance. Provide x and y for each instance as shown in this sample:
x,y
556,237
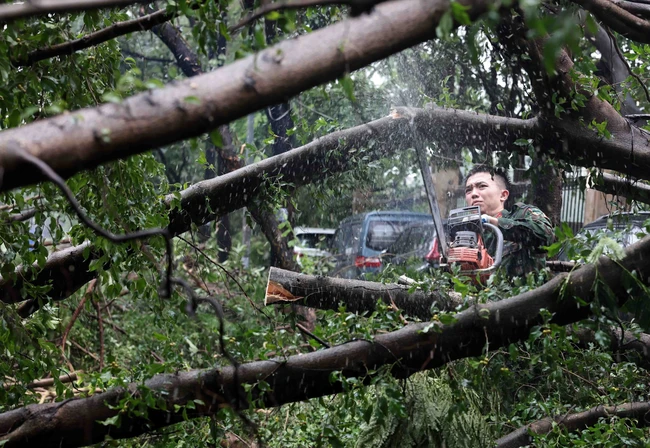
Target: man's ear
x,y
504,196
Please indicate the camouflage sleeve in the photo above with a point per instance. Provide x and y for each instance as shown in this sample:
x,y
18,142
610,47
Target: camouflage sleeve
x,y
527,225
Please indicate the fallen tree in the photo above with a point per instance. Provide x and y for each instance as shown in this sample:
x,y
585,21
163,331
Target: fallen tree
x,y
75,422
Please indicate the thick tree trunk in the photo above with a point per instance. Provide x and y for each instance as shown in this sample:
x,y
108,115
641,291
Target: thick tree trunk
x,y
73,422
357,296
546,187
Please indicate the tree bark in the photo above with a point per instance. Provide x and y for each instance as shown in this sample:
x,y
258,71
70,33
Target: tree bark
x,y
73,422
327,293
186,59
14,11
619,186
576,422
612,67
65,270
86,138
618,19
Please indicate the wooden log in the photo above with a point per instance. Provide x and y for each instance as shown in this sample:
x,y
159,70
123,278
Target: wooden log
x,y
358,296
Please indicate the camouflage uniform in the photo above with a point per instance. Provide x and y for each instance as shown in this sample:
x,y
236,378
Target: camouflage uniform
x,y
525,229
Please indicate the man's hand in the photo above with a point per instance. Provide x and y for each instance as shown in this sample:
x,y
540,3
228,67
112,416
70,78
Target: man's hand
x,y
489,219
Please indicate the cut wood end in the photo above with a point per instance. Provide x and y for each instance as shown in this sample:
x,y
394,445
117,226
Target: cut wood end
x,y
275,293
394,113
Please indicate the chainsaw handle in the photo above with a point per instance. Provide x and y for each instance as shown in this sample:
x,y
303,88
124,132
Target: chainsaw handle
x,y
498,256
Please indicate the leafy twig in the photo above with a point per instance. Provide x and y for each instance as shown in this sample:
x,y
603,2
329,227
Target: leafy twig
x,y
59,182
101,333
111,32
228,273
312,335
75,315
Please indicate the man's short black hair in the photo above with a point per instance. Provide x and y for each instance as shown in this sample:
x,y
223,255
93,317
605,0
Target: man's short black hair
x,y
492,171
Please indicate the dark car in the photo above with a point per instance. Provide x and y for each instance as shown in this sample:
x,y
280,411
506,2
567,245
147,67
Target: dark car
x,y
624,228
415,244
361,240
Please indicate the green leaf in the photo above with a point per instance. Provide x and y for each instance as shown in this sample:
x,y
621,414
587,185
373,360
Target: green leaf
x,y
445,25
14,119
111,421
447,319
223,30
460,287
216,138
460,13
260,37
112,97
348,87
273,15
28,112
154,84
192,100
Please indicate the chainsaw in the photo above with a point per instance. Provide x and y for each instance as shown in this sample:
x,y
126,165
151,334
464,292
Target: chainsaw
x,y
462,243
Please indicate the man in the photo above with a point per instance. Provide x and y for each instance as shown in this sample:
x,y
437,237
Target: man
x,y
525,228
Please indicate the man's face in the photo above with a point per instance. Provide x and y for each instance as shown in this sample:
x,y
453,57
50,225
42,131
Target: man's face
x,y
486,192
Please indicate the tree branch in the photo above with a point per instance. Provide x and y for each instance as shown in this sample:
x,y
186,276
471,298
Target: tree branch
x,y
117,29
65,270
23,216
76,313
640,9
74,422
86,138
358,6
612,67
618,19
135,54
576,422
35,8
328,293
186,59
619,186
576,139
